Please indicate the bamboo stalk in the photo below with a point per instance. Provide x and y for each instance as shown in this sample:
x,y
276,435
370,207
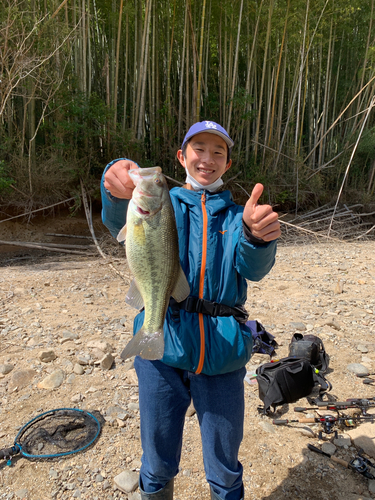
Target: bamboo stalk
x,y
42,247
235,67
372,104
117,65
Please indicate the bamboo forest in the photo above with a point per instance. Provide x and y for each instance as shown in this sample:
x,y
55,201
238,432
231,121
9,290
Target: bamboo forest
x,y
83,82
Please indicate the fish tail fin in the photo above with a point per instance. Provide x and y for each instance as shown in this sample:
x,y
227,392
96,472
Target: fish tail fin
x,y
145,345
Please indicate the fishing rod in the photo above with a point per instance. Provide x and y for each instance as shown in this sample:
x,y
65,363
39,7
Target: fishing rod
x,y
327,421
359,464
362,404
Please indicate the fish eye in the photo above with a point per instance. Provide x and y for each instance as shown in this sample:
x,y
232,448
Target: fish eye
x,y
157,181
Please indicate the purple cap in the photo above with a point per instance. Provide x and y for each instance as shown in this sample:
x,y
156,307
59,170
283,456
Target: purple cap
x,y
210,127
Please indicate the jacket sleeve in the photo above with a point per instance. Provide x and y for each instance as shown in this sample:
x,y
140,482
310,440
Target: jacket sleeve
x,y
254,259
113,209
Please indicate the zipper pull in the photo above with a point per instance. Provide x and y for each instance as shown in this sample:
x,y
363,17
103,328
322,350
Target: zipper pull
x,y
203,197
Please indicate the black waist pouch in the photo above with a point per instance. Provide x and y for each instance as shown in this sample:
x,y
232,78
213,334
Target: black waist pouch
x,y
284,381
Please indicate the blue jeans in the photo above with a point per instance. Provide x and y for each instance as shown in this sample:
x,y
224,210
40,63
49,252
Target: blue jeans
x,y
164,396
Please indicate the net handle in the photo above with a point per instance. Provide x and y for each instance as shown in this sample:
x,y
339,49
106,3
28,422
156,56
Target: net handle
x,y
9,452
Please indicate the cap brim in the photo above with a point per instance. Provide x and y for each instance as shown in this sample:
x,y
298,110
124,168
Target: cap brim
x,y
227,139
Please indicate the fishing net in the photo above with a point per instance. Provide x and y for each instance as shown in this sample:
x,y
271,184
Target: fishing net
x,y
55,433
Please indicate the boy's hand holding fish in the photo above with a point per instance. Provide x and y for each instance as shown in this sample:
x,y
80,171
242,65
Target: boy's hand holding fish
x,y
118,181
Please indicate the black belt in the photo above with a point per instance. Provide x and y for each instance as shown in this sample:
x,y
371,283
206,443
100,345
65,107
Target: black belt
x,y
203,306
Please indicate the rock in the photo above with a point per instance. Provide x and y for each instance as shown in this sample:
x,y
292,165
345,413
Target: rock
x,y
52,381
339,288
371,485
343,440
68,335
5,369
362,348
298,326
22,493
101,346
127,481
78,369
329,448
21,379
333,323
133,406
97,354
83,360
47,356
267,427
134,496
363,437
357,368
77,398
106,485
191,410
53,474
107,362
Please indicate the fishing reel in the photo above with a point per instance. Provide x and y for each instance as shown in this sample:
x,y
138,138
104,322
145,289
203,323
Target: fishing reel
x,y
328,421
361,465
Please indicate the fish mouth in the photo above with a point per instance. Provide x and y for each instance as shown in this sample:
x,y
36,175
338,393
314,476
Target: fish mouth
x,y
142,212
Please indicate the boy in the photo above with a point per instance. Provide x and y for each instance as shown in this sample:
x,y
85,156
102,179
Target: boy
x,y
207,344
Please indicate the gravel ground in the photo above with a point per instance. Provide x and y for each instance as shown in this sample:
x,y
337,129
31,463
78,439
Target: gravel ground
x,y
63,324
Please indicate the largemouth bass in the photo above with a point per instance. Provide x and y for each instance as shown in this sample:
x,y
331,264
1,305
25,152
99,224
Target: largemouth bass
x,y
151,244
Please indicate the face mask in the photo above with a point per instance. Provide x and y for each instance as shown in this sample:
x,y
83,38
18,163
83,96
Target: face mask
x,y
197,186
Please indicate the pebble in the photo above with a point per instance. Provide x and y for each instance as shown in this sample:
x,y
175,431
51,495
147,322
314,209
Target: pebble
x,y
329,448
6,368
102,346
68,335
78,369
22,493
267,427
371,485
127,481
107,362
357,368
342,441
21,379
53,381
362,348
298,326
47,356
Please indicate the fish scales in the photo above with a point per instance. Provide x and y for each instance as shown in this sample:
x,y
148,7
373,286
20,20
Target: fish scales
x,y
153,258
153,274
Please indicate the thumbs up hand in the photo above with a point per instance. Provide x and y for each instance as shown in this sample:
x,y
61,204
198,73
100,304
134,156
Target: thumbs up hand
x,y
261,219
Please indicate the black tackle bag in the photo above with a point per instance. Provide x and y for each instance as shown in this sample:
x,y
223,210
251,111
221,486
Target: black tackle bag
x,y
309,347
287,381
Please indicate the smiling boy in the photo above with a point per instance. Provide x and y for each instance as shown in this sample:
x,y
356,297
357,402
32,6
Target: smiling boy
x,y
207,343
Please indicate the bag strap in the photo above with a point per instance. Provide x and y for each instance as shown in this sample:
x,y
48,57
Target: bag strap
x,y
194,304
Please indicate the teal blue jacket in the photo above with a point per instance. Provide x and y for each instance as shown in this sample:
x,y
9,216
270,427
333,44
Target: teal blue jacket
x,y
218,254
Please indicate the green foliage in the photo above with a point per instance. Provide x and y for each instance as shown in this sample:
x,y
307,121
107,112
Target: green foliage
x,y
64,92
5,180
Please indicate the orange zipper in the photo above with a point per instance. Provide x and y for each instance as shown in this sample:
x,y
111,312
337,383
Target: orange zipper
x,y
201,282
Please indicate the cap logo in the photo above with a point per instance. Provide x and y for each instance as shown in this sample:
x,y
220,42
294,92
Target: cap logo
x,y
210,125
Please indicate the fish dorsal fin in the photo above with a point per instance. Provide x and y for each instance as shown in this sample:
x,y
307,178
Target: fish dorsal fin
x,y
122,235
181,289
134,297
